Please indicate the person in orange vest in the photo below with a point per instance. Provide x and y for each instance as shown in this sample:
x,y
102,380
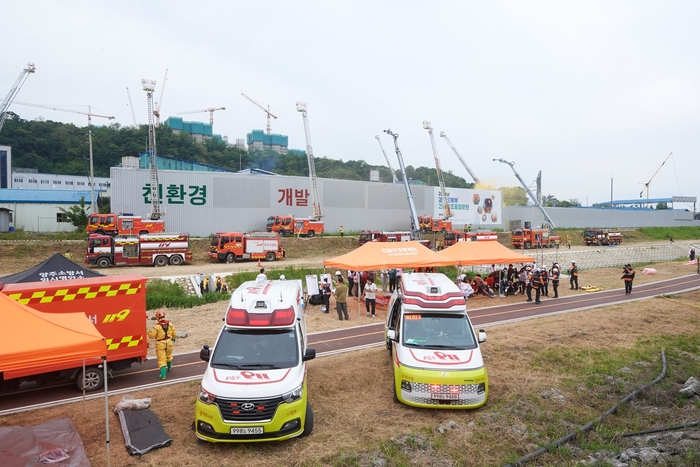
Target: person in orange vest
x,y
573,276
164,333
628,277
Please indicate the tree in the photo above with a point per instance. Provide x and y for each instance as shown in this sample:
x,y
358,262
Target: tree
x,y
77,214
661,206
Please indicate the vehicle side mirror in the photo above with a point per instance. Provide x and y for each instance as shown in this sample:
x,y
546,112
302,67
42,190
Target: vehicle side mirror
x,y
391,334
310,354
204,354
482,336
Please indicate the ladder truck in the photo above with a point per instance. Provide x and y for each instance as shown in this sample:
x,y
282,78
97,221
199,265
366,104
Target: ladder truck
x,y
436,224
550,224
14,90
391,169
149,86
449,143
415,224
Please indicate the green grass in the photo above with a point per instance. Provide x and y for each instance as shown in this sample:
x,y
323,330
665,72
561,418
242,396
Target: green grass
x,y
677,233
21,234
160,293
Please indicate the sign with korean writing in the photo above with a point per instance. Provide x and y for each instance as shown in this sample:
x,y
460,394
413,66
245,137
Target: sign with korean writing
x,y
177,194
477,207
46,276
293,197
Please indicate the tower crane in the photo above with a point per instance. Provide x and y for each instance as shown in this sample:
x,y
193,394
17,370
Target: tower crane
x,y
646,185
415,229
89,116
391,169
318,214
211,111
446,205
156,111
267,111
13,91
149,86
131,106
449,143
534,199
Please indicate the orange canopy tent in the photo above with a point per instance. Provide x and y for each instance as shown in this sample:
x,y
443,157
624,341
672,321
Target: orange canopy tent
x,y
384,255
478,253
34,342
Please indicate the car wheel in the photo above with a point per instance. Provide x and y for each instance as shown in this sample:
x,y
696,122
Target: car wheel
x,y
311,233
161,261
92,379
176,260
270,256
103,263
309,423
527,245
230,258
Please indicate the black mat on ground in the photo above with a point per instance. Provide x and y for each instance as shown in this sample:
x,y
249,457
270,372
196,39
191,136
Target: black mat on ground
x,y
142,431
22,446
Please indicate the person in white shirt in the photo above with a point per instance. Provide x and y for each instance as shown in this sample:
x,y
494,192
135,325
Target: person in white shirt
x,y
261,277
385,279
370,297
466,288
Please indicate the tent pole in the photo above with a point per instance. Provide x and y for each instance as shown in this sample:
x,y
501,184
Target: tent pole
x,y
104,367
83,383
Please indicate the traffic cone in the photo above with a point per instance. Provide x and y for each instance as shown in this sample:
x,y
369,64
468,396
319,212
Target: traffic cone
x,y
259,262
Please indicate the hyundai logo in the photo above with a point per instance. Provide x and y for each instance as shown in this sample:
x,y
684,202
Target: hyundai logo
x,y
248,406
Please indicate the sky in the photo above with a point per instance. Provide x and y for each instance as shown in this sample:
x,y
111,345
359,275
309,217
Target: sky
x,y
596,95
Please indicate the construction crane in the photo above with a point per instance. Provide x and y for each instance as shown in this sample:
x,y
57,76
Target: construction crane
x,y
646,185
318,214
14,90
131,106
534,199
149,86
415,225
449,143
267,111
156,111
391,169
211,111
89,116
441,179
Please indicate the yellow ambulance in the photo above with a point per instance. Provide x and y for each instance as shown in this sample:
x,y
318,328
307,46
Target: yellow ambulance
x,y
254,387
436,356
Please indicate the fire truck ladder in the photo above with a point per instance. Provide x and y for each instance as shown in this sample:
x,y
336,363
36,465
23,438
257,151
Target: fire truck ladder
x,y
449,143
415,225
13,91
318,214
441,180
391,169
149,86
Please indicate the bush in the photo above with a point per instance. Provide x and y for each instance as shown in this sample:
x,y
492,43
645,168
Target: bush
x,y
160,293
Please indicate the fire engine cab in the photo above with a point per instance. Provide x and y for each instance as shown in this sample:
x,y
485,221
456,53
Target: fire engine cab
x,y
254,387
436,356
234,246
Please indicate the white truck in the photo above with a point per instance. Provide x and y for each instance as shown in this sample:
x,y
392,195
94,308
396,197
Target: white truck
x,y
436,356
254,387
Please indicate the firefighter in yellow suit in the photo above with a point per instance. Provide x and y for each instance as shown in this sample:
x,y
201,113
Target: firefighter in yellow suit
x,y
164,333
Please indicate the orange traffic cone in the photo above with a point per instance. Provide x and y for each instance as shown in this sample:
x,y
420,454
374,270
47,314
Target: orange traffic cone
x,y
258,262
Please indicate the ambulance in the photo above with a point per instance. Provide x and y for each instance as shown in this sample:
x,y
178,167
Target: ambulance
x,y
254,387
436,356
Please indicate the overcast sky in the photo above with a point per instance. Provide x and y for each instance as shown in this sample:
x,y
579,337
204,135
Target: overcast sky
x,y
585,92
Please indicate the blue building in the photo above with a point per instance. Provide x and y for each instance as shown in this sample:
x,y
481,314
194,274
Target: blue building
x,y
258,139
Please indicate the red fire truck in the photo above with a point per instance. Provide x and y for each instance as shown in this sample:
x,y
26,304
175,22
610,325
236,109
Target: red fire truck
x,y
289,225
116,305
122,224
534,238
433,224
454,236
234,246
159,249
602,237
384,236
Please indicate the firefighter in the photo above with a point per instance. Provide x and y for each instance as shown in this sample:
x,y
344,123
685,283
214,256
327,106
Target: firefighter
x,y
528,284
628,277
554,275
164,333
218,284
573,276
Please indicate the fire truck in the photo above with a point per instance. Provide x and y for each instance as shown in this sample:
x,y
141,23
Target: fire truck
x,y
126,224
116,305
159,249
433,224
602,237
288,225
454,236
234,246
384,236
534,238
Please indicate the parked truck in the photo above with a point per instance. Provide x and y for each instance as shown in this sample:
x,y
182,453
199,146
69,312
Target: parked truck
x,y
158,249
289,225
235,246
434,224
116,305
123,224
602,237
534,238
454,236
384,236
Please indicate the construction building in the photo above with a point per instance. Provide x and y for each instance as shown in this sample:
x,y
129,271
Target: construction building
x,y
258,139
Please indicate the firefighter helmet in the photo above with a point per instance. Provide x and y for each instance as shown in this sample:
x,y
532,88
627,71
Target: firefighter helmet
x,y
160,314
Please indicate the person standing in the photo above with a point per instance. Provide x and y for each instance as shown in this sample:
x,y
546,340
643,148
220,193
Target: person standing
x,y
218,284
351,281
342,231
164,333
385,279
628,277
573,276
326,291
545,280
370,297
691,254
205,285
262,277
399,274
554,275
392,280
341,298
528,284
537,284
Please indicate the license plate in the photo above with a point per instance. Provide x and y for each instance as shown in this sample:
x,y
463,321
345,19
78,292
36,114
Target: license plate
x,y
253,430
442,396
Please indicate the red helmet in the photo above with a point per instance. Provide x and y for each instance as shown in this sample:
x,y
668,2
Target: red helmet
x,y
160,314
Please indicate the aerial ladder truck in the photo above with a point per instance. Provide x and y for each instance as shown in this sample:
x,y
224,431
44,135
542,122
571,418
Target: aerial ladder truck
x,y
449,143
391,169
527,238
13,91
149,86
443,224
415,225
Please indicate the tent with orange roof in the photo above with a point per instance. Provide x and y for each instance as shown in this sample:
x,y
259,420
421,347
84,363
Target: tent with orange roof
x,y
386,255
479,253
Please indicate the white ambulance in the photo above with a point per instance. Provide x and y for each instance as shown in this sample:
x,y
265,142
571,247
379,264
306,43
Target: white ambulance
x,y
254,387
436,356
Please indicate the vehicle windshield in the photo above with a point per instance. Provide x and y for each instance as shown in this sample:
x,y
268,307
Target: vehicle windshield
x,y
215,240
242,349
517,232
271,221
94,219
589,233
438,331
